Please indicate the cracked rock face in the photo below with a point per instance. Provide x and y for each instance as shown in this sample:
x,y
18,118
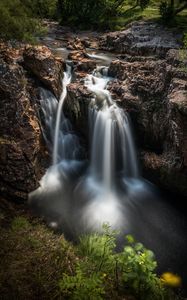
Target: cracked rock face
x,y
23,154
41,63
154,93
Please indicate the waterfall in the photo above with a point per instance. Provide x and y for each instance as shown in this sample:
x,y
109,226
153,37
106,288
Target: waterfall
x,y
65,82
111,136
77,196
91,195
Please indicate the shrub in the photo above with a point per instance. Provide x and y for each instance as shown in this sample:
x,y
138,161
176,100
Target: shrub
x,y
144,3
88,13
15,23
166,12
19,19
102,272
20,223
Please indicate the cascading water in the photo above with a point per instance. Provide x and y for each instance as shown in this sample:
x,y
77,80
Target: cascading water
x,y
111,141
112,136
66,81
76,196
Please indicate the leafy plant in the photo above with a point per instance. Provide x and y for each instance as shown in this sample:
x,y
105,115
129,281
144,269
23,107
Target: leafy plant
x,y
88,13
166,12
169,9
20,223
144,3
103,272
19,19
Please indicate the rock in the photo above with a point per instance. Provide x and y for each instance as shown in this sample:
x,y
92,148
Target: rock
x,y
45,66
76,107
141,38
81,62
155,95
142,88
165,171
177,116
23,155
75,44
10,54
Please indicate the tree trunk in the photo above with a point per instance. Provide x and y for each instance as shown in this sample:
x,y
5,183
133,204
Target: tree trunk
x,y
178,10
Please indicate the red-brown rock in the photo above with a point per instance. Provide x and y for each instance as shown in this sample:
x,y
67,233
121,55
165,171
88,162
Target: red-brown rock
x,y
45,66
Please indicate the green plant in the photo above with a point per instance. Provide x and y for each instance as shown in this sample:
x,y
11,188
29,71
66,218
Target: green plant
x,y
144,3
169,9
102,271
88,13
82,287
166,12
19,19
20,223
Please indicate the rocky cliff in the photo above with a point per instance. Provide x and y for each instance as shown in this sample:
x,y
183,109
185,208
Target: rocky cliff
x,y
23,154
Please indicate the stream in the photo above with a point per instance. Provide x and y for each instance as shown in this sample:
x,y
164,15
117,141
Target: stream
x,y
77,195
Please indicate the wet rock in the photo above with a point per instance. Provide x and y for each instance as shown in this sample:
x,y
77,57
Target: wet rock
x,y
76,56
76,44
155,95
177,116
45,66
23,156
76,106
81,61
165,171
142,88
141,38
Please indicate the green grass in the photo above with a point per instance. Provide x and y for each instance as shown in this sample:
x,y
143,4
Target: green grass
x,y
128,15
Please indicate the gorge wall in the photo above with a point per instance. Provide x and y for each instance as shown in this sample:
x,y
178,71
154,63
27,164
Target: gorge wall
x,y
23,155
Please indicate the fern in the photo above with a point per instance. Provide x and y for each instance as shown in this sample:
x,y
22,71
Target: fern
x,y
102,273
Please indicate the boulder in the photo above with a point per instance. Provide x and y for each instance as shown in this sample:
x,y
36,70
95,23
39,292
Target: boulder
x,y
81,61
45,66
76,107
23,155
141,38
155,95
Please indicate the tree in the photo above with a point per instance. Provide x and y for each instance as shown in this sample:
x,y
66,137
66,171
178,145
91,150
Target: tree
x,y
169,9
19,18
88,13
15,22
142,3
182,6
41,8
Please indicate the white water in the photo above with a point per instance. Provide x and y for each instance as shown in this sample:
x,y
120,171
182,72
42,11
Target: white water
x,y
112,153
65,82
99,57
76,196
111,136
